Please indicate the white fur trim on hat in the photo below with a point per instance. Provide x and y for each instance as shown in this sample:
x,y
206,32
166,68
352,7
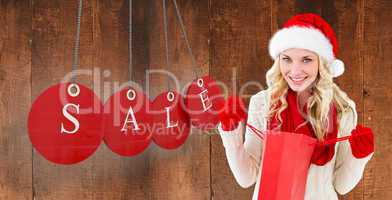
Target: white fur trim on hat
x,y
301,37
305,38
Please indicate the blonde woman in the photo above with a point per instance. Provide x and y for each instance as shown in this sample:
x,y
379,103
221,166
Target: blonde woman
x,y
301,97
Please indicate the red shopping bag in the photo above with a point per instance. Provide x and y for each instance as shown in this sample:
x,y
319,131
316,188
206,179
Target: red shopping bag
x,y
285,163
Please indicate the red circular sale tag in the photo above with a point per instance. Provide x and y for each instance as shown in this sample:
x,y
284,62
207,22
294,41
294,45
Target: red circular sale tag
x,y
65,123
170,120
204,100
127,122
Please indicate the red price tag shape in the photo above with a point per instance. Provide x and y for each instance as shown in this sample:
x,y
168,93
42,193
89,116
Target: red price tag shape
x,y
171,122
65,123
204,100
127,122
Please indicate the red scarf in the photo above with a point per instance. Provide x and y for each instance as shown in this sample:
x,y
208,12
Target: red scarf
x,y
292,118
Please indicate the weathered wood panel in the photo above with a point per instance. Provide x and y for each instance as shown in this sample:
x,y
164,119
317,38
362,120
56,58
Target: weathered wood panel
x,y
183,173
119,177
54,27
229,40
240,31
377,86
15,97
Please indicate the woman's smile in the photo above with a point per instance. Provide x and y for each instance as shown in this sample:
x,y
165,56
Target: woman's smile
x,y
298,80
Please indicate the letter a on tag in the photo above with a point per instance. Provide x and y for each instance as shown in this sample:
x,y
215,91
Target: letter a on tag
x,y
127,122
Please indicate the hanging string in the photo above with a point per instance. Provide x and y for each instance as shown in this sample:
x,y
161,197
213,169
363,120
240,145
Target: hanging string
x,y
179,17
75,61
130,64
166,40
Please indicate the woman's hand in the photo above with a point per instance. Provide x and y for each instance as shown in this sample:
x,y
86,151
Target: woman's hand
x,y
362,141
233,112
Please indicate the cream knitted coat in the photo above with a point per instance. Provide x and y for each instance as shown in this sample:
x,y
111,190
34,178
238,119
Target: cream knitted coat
x,y
341,174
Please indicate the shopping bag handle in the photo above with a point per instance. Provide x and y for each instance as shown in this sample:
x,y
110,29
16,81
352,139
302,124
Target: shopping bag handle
x,y
256,131
336,140
261,135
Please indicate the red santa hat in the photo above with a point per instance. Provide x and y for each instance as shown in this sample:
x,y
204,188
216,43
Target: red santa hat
x,y
311,32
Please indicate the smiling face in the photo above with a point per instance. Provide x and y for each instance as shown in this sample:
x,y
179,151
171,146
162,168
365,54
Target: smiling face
x,y
299,68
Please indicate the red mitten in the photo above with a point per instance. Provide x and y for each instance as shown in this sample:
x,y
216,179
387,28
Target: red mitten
x,y
233,112
362,141
323,154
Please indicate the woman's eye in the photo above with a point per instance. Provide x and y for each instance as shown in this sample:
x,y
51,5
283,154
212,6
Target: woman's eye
x,y
285,59
306,60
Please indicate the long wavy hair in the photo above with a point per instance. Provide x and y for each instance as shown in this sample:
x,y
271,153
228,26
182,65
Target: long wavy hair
x,y
325,92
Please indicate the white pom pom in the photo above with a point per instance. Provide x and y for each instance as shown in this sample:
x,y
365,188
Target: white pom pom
x,y
337,68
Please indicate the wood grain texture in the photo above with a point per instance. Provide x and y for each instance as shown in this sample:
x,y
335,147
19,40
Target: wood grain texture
x,y
54,24
378,96
118,177
183,173
104,51
239,38
15,97
230,41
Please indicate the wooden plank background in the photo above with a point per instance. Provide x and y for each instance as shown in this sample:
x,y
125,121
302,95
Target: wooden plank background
x,y
227,37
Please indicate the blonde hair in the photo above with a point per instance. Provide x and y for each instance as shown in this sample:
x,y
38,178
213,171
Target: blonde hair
x,y
325,91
